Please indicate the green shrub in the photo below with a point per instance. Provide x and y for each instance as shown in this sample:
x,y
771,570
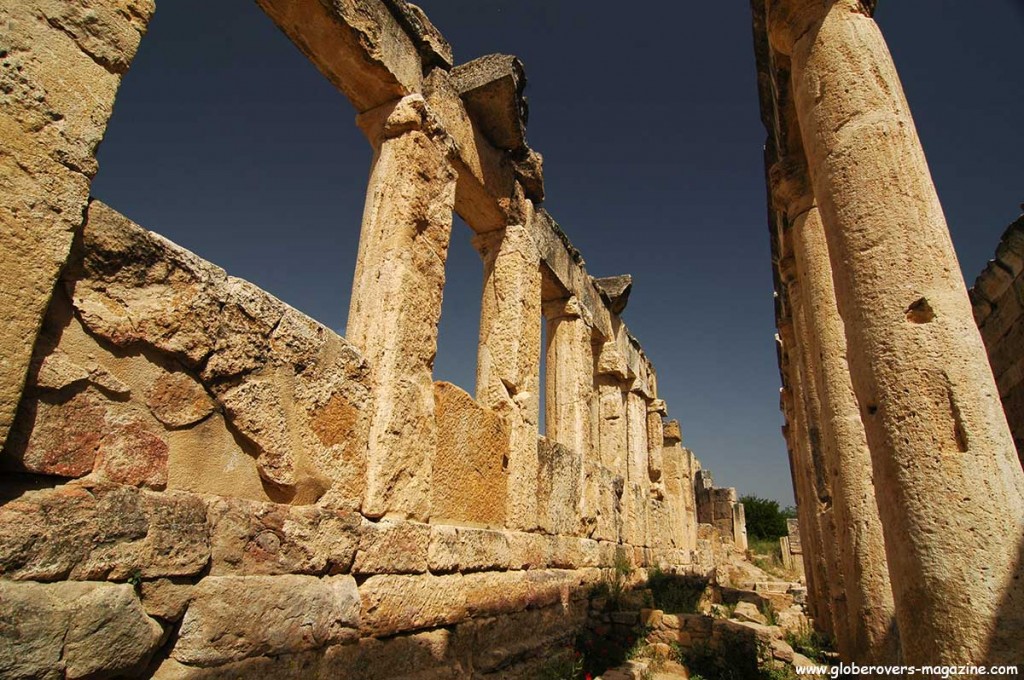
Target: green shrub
x,y
764,518
808,642
675,594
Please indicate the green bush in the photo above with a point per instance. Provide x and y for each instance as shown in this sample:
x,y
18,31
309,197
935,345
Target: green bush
x,y
675,594
764,518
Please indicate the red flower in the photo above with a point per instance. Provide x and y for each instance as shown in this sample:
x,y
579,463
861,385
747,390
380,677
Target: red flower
x,y
588,676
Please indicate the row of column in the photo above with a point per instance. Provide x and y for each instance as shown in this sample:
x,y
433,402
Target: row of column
x,y
910,494
593,407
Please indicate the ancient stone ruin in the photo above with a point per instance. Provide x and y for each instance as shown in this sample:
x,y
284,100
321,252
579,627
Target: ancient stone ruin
x,y
198,481
908,484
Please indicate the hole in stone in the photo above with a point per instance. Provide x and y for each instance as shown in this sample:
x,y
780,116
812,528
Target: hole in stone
x,y
504,462
872,410
920,312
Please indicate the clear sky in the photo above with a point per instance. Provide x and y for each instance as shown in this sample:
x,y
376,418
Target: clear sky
x,y
227,141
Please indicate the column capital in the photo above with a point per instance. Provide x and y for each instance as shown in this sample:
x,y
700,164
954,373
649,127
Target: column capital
x,y
789,20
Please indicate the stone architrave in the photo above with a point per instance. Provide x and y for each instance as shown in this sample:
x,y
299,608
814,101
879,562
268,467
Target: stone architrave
x,y
396,301
508,364
950,489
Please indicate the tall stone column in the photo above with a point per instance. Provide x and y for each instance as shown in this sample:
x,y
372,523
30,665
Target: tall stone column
x,y
63,64
508,364
873,634
638,480
950,490
569,383
396,301
570,380
802,437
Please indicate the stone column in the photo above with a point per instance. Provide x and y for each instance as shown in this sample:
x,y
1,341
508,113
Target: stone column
x,y
62,67
569,382
873,634
656,411
800,443
611,448
396,301
569,385
950,490
508,363
638,481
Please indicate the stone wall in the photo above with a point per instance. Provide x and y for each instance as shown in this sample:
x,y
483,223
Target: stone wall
x,y
197,480
998,299
720,508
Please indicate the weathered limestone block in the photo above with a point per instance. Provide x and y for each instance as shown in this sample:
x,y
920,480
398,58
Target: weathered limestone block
x,y
434,49
656,411
297,400
235,617
492,88
559,487
430,655
165,598
392,548
501,641
612,429
615,291
570,379
74,630
603,522
471,481
464,550
565,263
508,364
392,604
396,304
253,538
933,420
359,45
528,551
53,51
87,532
177,400
487,175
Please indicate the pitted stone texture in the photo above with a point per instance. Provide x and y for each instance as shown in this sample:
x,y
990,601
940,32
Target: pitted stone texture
x,y
53,52
559,486
492,88
252,538
236,617
393,604
508,365
387,547
463,550
74,630
471,461
296,394
923,379
395,308
102,532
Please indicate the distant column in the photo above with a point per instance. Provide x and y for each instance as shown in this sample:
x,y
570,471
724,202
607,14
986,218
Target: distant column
x,y
950,490
396,301
508,363
872,629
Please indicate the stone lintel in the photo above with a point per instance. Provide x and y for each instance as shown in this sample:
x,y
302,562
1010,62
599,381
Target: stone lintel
x,y
359,46
492,88
433,48
615,291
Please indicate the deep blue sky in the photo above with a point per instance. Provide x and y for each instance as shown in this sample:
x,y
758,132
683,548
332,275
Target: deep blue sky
x,y
227,141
